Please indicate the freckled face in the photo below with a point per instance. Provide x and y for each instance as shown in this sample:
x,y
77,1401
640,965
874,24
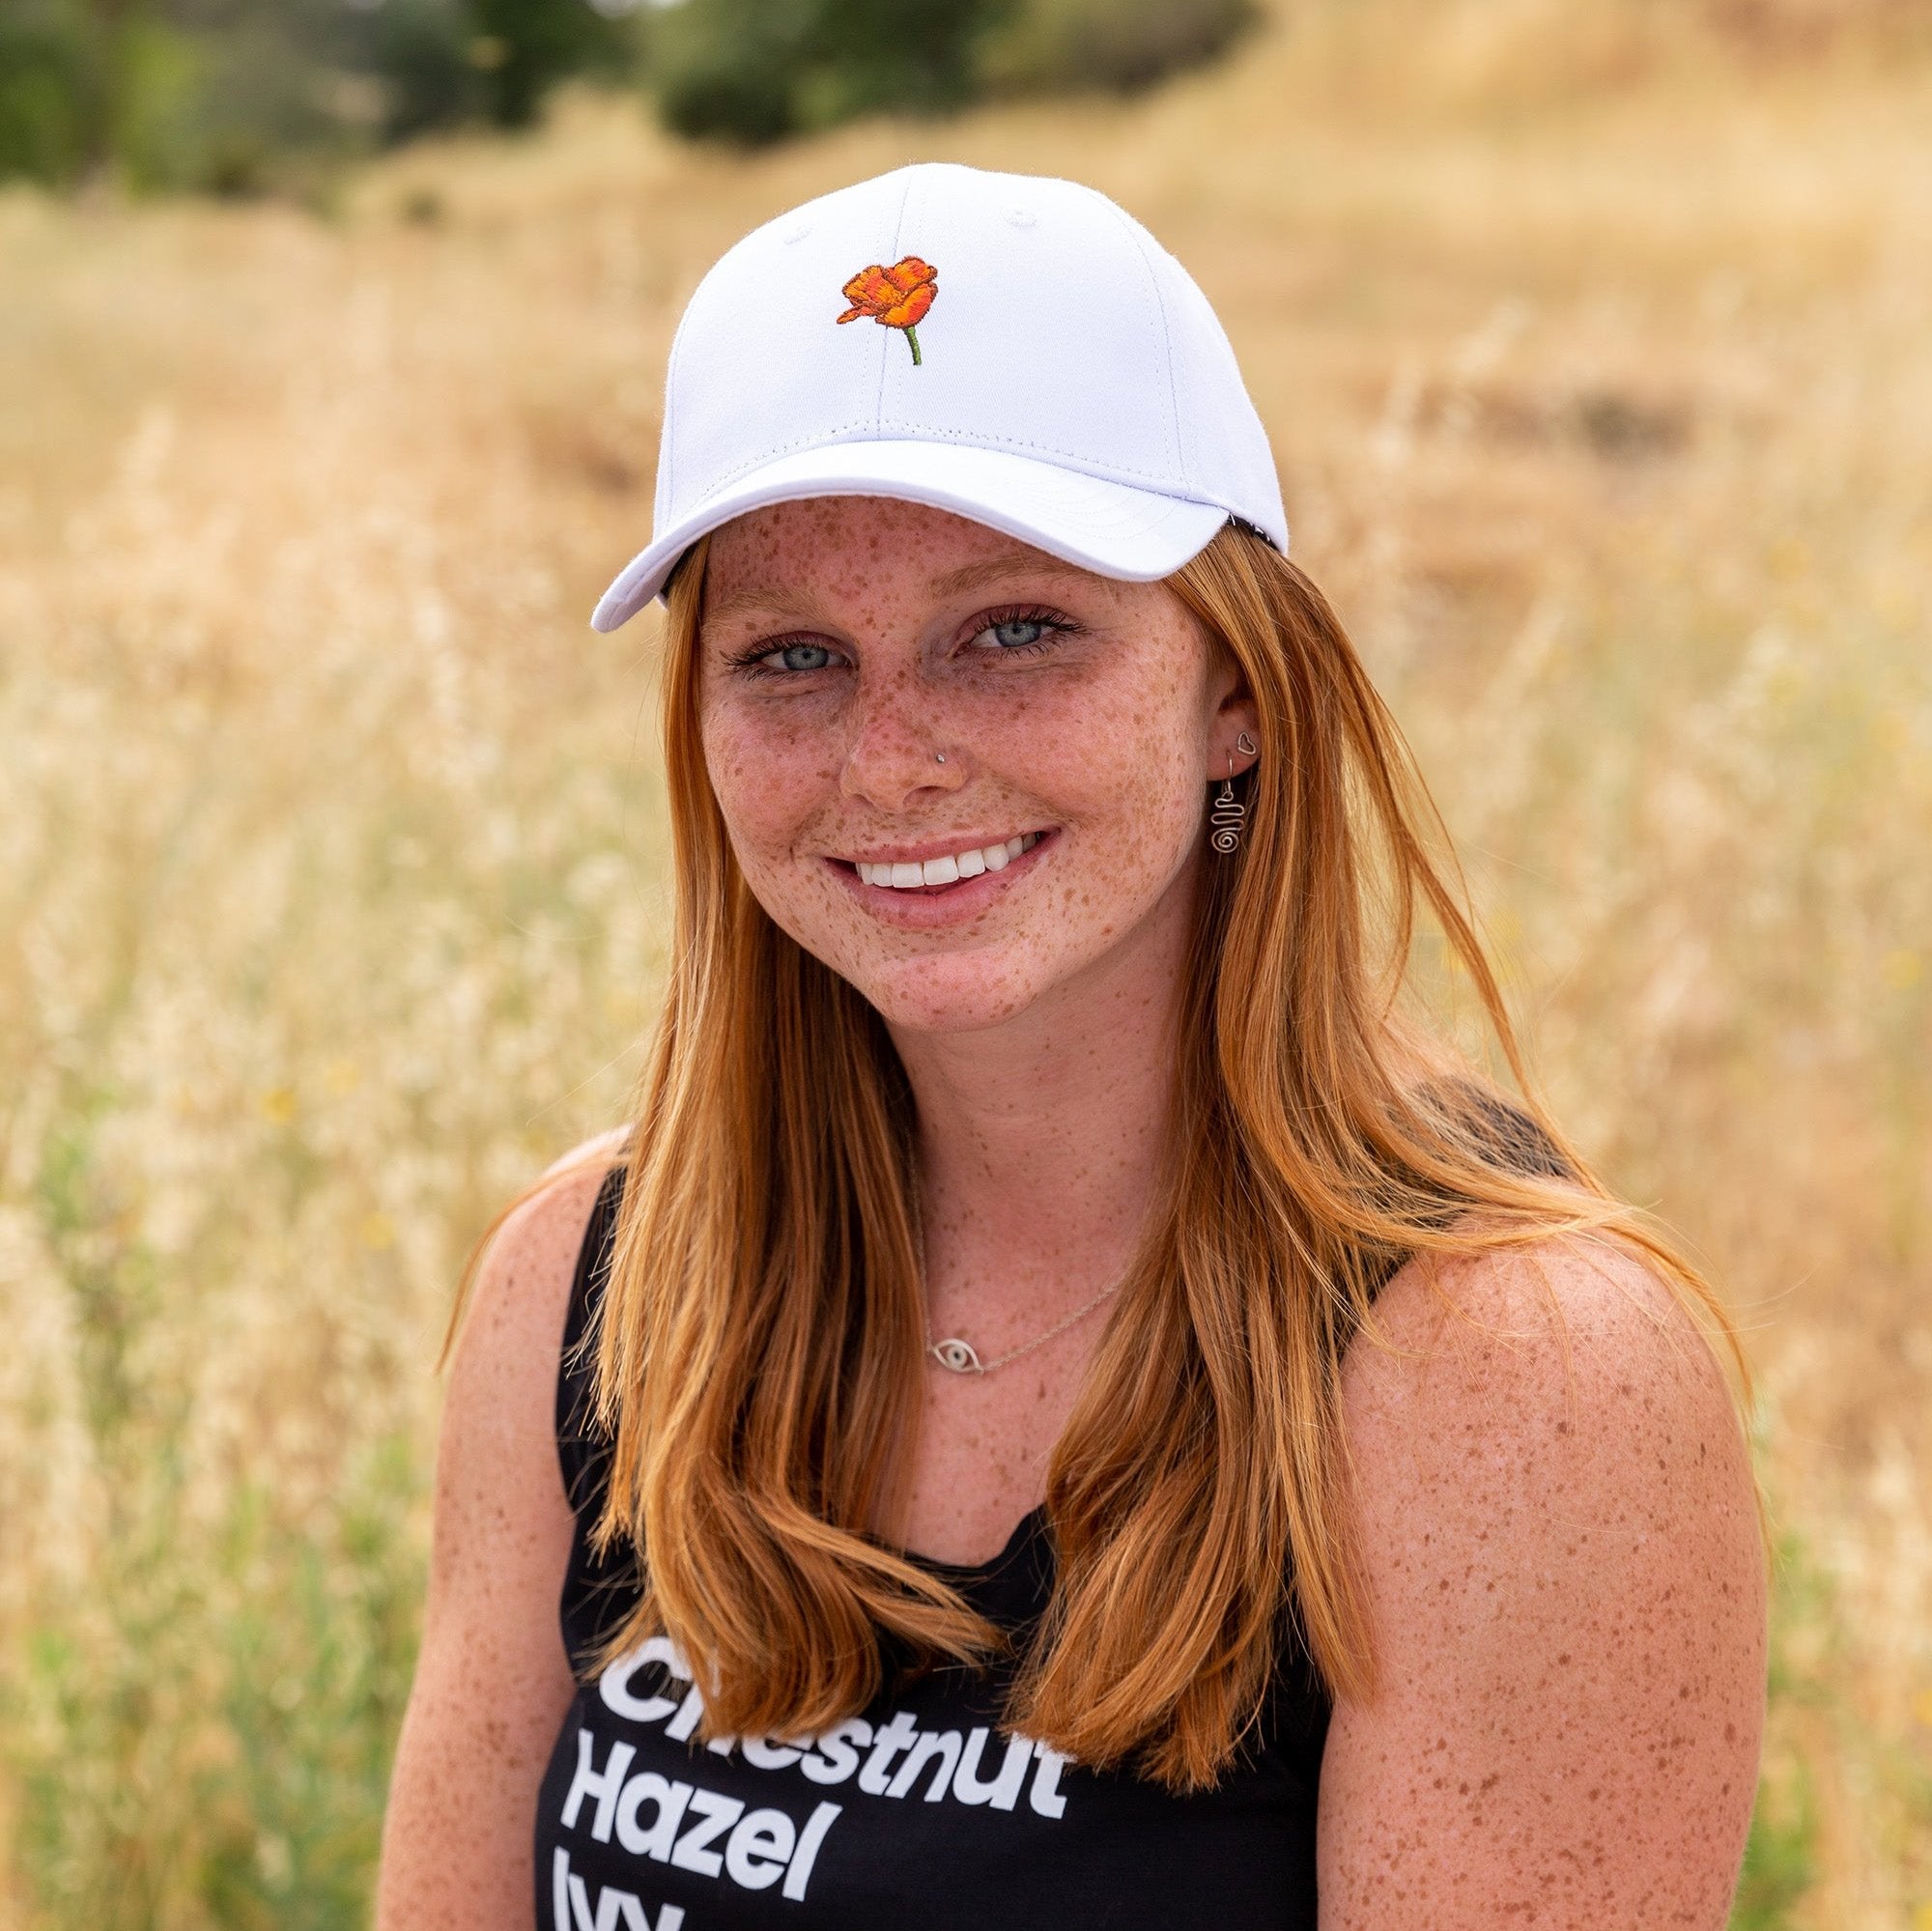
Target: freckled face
x,y
848,639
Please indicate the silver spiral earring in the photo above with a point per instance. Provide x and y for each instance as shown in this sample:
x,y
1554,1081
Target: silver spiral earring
x,y
1228,816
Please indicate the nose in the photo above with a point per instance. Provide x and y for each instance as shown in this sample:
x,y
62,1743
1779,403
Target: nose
x,y
894,752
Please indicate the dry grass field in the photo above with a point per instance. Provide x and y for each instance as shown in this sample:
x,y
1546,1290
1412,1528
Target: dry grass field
x,y
1596,341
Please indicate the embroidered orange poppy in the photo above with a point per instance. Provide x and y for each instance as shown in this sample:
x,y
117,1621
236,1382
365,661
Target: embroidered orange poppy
x,y
895,297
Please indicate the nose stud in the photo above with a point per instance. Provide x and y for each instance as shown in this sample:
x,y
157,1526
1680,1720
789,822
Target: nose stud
x,y
940,756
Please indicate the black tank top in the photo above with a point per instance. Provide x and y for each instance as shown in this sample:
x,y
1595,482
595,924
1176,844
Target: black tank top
x,y
918,1812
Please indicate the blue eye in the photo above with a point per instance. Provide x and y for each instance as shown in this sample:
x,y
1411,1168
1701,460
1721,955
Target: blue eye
x,y
780,661
800,657
1016,633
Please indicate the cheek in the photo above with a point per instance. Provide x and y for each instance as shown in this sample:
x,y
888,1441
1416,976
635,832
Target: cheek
x,y
1154,823
771,785
1135,765
767,774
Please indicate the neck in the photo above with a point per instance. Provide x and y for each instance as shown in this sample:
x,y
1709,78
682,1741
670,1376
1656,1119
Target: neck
x,y
1041,1140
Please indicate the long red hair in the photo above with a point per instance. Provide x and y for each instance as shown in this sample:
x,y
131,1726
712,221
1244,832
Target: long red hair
x,y
758,1352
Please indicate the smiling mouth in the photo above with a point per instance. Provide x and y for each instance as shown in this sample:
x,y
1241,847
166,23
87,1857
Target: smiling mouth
x,y
949,869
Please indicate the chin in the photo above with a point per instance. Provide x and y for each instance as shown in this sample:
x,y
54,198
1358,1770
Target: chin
x,y
962,994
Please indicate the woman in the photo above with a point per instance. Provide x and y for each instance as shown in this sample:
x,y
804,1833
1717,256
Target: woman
x,y
1070,1407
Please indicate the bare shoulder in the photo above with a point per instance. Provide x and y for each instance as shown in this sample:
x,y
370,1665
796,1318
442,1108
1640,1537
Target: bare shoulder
x,y
596,1153
1560,1543
491,1679
1576,1330
514,1320
497,1460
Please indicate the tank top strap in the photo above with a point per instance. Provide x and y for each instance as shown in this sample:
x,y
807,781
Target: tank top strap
x,y
597,1591
577,1437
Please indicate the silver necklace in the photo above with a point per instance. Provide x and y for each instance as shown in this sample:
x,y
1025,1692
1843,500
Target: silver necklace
x,y
961,1358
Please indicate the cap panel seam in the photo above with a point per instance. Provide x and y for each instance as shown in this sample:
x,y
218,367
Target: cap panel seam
x,y
899,255
1140,238
666,446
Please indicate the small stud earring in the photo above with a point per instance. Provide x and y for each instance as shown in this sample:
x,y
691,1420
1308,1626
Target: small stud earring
x,y
1228,815
1246,745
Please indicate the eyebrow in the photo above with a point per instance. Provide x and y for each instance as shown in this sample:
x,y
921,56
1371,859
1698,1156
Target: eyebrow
x,y
954,583
753,602
1008,564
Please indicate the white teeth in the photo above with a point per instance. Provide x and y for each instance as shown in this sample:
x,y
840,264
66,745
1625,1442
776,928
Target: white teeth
x,y
904,876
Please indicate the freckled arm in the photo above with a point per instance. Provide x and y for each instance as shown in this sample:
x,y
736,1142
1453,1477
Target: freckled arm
x,y
1562,1552
492,1681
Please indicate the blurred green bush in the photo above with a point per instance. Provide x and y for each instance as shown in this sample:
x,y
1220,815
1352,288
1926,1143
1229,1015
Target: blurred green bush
x,y
49,90
523,46
750,71
233,96
1110,45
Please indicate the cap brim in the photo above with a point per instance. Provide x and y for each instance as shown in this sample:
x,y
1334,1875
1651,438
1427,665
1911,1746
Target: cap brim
x,y
1111,529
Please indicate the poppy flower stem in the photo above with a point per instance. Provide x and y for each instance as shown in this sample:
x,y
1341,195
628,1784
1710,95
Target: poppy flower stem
x,y
911,343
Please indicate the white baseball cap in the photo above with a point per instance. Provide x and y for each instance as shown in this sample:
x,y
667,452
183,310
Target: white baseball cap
x,y
1012,348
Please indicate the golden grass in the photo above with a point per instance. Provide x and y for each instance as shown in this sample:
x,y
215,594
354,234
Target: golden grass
x,y
1593,339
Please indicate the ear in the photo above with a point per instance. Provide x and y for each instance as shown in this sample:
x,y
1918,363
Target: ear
x,y
1234,720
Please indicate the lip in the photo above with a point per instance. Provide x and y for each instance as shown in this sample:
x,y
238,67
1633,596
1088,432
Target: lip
x,y
945,847
931,908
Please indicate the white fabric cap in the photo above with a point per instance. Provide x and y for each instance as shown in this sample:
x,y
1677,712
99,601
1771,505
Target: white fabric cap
x,y
1034,360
